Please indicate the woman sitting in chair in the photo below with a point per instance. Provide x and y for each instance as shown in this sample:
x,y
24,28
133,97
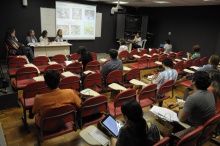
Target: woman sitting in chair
x,y
136,131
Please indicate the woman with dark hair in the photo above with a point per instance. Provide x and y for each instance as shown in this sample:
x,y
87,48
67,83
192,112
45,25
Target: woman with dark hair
x,y
16,47
43,37
31,37
196,54
122,46
136,131
59,37
85,56
167,47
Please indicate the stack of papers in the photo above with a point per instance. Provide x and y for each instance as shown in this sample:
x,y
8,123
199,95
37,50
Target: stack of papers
x,y
189,71
137,82
52,62
116,86
164,113
136,56
32,65
125,68
67,74
39,78
99,136
194,67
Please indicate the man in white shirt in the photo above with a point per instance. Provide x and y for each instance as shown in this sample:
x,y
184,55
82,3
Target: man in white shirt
x,y
137,41
122,46
167,47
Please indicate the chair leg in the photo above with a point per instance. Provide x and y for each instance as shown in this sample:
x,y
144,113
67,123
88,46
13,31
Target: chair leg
x,y
24,119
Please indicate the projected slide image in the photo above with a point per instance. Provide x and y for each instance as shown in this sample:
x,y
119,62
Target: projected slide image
x,y
63,13
89,15
75,30
65,29
89,30
77,13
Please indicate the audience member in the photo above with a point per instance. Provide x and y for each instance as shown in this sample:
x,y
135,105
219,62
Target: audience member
x,y
59,37
122,46
85,56
136,131
43,37
31,37
136,43
196,54
16,47
113,64
161,77
199,106
167,47
55,98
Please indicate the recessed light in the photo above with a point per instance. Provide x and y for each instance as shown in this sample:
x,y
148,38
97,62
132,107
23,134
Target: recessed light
x,y
121,2
162,2
208,0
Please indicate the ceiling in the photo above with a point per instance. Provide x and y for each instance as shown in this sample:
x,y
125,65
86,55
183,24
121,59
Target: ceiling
x,y
173,3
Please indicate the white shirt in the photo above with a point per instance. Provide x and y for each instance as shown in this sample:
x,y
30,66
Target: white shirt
x,y
138,40
122,48
168,48
43,39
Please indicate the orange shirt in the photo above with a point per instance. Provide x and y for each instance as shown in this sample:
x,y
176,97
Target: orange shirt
x,y
54,99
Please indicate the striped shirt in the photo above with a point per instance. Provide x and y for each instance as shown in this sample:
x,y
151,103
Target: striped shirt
x,y
114,64
168,74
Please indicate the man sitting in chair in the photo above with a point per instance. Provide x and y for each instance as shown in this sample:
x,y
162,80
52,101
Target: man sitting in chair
x,y
55,98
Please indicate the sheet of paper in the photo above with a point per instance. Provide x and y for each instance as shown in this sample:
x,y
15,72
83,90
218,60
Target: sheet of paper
x,y
136,56
158,63
39,78
137,82
147,55
88,71
32,65
116,86
189,71
89,92
178,60
125,68
67,74
98,136
52,62
164,113
103,60
194,67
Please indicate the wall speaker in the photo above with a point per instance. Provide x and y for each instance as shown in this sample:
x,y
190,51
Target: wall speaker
x,y
24,2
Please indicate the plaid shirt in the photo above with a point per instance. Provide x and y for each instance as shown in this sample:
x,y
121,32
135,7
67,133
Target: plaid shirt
x,y
114,64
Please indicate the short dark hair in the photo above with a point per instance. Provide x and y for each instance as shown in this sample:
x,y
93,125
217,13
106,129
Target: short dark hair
x,y
196,48
44,33
10,30
113,53
167,41
82,50
52,79
122,41
202,80
168,62
214,61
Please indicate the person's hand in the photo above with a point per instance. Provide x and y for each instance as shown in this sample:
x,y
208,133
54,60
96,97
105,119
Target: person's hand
x,y
172,105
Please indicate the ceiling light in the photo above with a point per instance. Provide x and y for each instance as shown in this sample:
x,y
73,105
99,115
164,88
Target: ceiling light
x,y
120,2
161,2
208,0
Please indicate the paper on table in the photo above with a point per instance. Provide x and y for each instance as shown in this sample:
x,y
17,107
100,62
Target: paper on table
x,y
32,65
39,78
116,86
52,62
189,71
89,92
67,74
103,59
98,136
88,71
137,82
178,60
194,67
165,113
158,63
136,56
147,55
184,58
125,68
